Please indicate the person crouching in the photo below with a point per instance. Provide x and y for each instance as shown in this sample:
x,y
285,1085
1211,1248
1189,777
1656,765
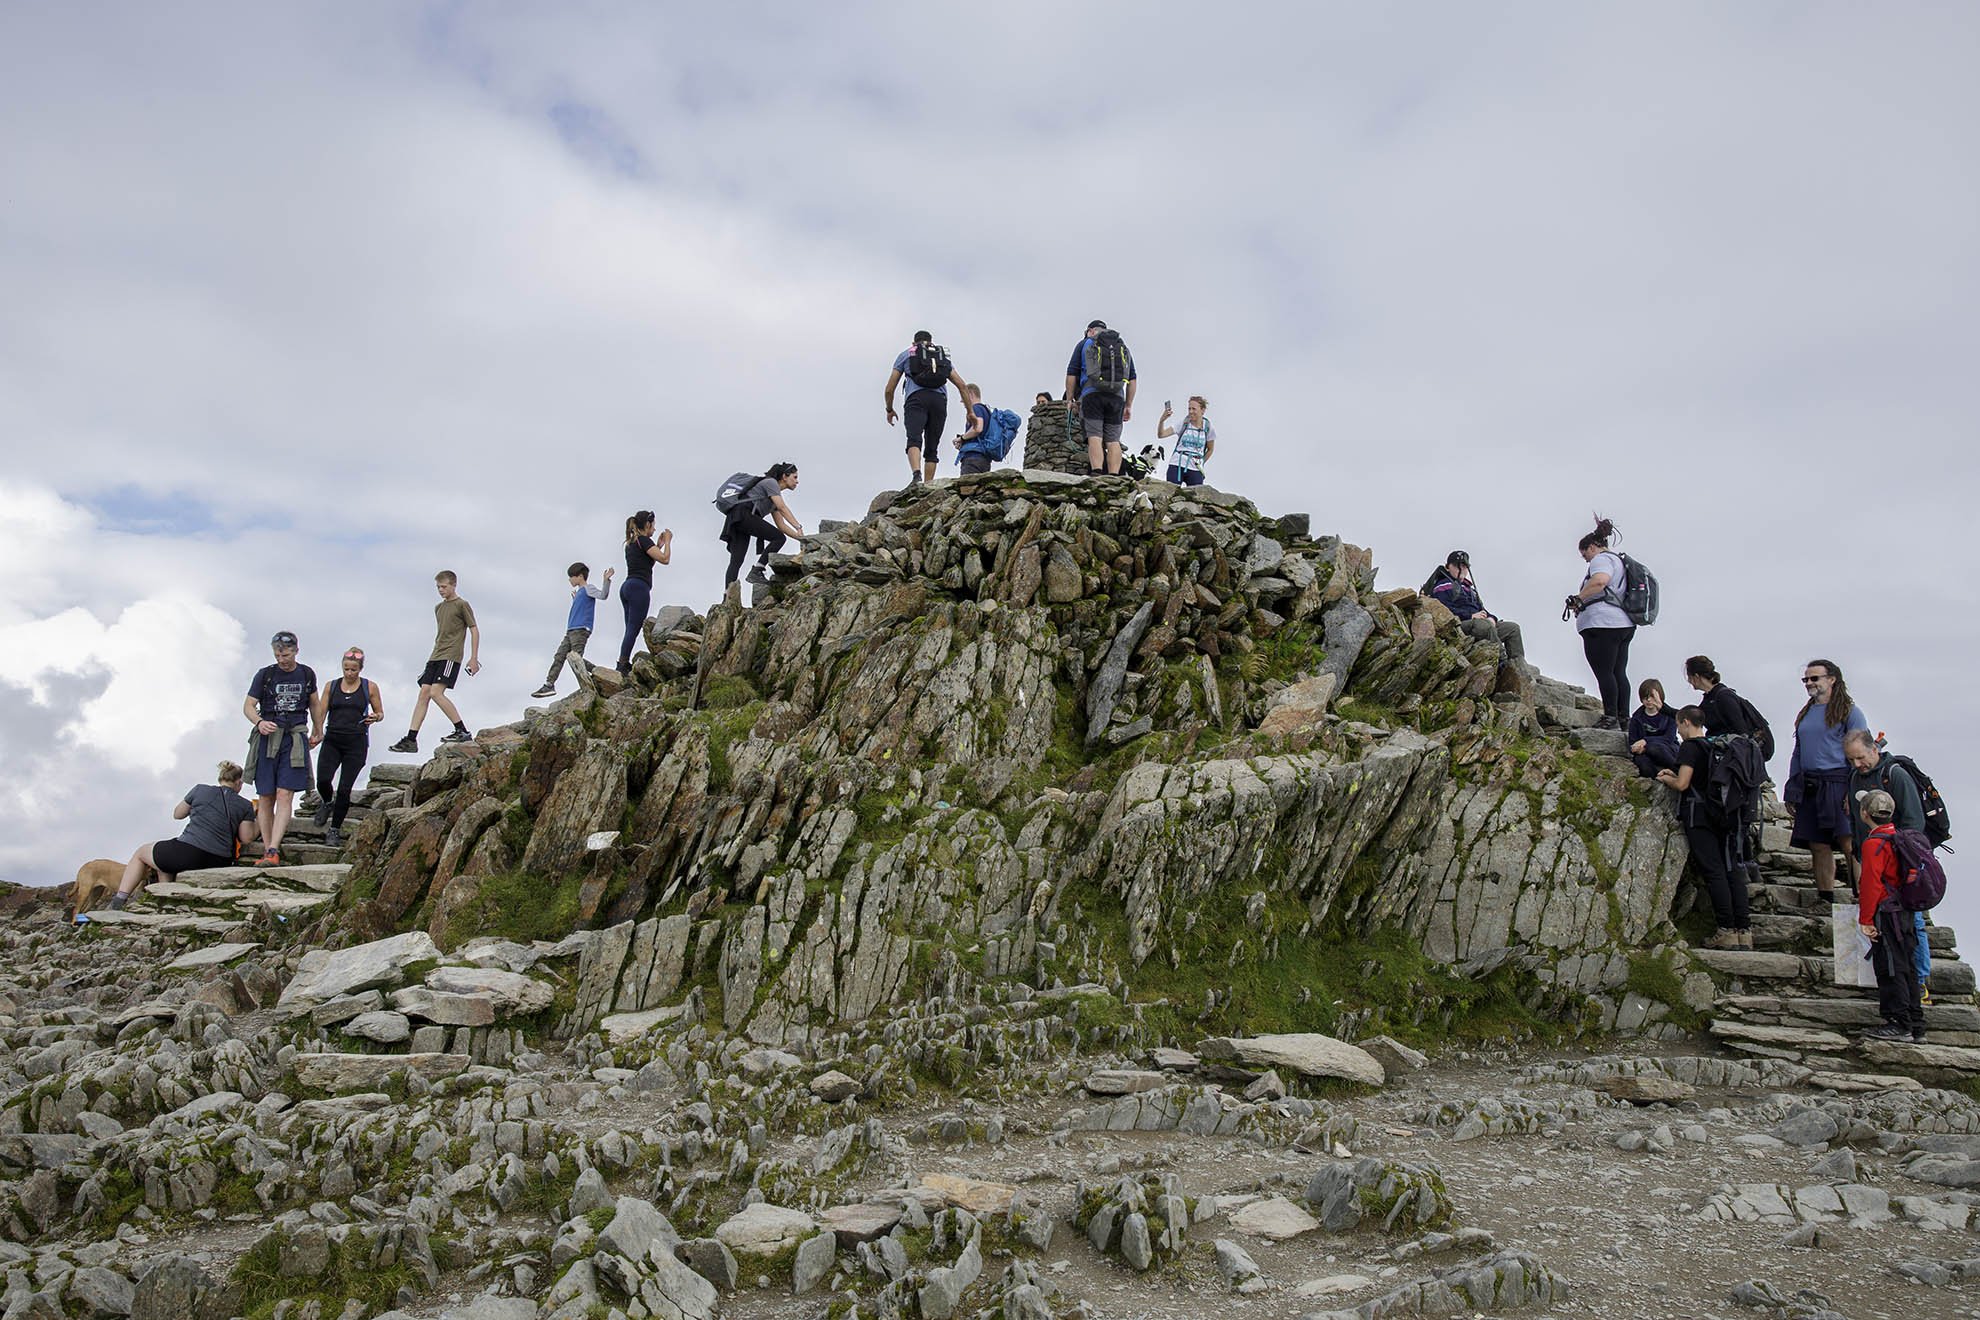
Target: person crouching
x,y
1889,927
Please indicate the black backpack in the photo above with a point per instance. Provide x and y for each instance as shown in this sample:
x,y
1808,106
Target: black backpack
x,y
1733,776
1938,826
734,491
928,366
1107,362
1751,721
1640,597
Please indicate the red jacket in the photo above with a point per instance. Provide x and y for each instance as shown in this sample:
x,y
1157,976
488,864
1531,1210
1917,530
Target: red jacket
x,y
1879,878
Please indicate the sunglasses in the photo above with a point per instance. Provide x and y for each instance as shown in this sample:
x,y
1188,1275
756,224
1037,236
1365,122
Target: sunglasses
x,y
1811,682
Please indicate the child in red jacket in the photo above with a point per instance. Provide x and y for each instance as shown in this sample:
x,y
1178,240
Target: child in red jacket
x,y
1889,926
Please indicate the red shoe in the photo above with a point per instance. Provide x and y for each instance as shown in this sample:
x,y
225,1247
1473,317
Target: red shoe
x,y
270,858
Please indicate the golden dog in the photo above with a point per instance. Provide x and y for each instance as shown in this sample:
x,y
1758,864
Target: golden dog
x,y
95,882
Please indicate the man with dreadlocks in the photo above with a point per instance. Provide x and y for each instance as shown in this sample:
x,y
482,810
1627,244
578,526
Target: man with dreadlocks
x,y
1817,790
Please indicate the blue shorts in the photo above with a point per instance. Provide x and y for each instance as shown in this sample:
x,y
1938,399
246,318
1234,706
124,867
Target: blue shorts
x,y
1182,476
271,764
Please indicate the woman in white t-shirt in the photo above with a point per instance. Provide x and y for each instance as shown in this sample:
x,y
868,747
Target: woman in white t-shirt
x,y
1195,442
1605,629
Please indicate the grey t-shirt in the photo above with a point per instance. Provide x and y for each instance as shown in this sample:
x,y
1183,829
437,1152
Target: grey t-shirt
x,y
1600,613
762,495
216,818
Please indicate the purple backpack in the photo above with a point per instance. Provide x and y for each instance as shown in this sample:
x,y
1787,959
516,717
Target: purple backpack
x,y
1921,881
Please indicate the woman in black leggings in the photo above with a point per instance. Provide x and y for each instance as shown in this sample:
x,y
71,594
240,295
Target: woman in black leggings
x,y
1605,630
643,551
350,706
762,516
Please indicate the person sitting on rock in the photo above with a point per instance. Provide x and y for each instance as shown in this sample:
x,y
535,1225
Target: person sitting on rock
x,y
1887,925
218,820
1711,843
1872,769
1652,737
1451,586
761,514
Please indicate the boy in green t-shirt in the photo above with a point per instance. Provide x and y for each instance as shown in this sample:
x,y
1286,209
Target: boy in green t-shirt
x,y
455,630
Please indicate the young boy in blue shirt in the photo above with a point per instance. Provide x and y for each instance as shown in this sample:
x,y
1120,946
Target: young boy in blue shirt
x,y
577,625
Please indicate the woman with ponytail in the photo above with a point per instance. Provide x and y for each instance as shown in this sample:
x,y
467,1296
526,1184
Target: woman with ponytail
x,y
643,551
1817,790
1605,629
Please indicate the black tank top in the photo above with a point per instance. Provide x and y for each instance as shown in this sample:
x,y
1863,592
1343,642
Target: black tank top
x,y
638,564
347,708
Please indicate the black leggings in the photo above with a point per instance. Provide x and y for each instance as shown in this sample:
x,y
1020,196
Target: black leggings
x,y
1712,852
345,753
1607,650
634,597
744,524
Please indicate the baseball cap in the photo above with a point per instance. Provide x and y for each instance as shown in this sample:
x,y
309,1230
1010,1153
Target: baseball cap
x,y
283,638
1459,557
1096,325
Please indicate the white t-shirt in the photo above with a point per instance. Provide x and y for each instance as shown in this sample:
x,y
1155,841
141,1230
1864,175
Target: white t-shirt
x,y
1192,443
1599,613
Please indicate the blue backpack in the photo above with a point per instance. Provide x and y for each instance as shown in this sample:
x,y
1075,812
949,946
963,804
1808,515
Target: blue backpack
x,y
999,434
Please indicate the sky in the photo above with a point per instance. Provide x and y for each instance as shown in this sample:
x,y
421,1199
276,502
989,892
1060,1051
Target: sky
x,y
304,303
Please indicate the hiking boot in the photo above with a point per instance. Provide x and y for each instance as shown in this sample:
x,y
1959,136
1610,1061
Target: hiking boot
x,y
269,858
1888,1031
547,690
405,744
118,902
333,837
1745,939
458,736
914,479
322,814
758,576
1608,722
625,668
1724,939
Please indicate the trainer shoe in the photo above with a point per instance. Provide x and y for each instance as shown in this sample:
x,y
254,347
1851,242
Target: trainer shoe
x,y
1745,939
406,744
322,814
1723,939
270,858
333,837
1918,1034
1888,1031
758,576
547,690
458,736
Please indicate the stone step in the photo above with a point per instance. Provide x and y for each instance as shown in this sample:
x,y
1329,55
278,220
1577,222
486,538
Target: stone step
x,y
1753,965
1568,717
398,774
319,879
1941,1062
1601,742
1784,932
1827,1013
312,854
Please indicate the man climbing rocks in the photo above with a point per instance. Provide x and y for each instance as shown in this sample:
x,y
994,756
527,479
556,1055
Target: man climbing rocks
x,y
280,702
454,629
929,374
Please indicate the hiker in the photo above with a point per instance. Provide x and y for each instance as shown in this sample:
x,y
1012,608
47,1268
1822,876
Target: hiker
x,y
1042,399
218,820
1711,844
761,514
454,631
643,551
1605,629
577,624
1872,769
970,453
1195,443
1817,790
929,374
1100,379
1653,736
345,711
1890,930
279,702
1725,710
1452,587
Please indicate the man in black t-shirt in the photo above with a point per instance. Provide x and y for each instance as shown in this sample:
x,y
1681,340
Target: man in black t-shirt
x,y
1711,843
280,704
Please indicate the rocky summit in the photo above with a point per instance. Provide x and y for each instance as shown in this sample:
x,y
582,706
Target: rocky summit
x,y
1047,897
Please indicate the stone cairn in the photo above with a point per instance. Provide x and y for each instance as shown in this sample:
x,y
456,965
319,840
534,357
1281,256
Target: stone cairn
x,y
1052,440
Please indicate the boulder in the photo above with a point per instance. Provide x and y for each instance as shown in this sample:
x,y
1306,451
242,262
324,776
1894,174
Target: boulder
x,y
383,1026
1274,1218
1300,705
764,1229
1115,1081
325,974
367,1072
445,1009
1307,1053
834,1086
978,1197
513,995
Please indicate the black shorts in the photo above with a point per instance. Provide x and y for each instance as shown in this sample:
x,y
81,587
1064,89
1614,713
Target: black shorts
x,y
176,856
443,672
924,414
975,461
1101,412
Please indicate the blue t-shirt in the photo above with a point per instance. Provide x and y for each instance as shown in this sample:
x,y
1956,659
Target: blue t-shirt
x,y
1077,367
584,606
975,444
901,365
284,694
1817,746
